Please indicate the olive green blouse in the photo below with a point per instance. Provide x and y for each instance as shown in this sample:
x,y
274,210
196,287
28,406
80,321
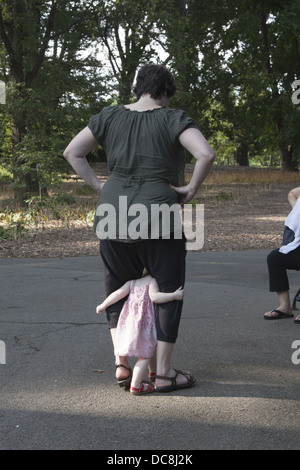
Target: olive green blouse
x,y
143,155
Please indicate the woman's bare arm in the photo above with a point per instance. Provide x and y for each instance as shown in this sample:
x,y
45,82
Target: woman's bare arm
x,y
75,153
195,143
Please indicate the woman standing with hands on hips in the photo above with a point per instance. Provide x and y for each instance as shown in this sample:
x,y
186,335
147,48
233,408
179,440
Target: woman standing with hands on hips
x,y
145,144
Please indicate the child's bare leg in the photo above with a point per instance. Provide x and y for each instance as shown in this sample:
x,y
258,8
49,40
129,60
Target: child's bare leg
x,y
139,372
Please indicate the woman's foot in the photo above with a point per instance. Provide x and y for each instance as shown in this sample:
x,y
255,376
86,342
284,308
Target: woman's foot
x,y
142,390
297,319
278,313
123,375
175,379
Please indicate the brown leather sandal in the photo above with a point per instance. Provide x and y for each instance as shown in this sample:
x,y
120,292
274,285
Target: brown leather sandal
x,y
174,386
125,382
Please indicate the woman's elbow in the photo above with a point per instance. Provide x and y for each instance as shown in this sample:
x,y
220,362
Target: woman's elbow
x,y
207,156
211,156
70,155
66,154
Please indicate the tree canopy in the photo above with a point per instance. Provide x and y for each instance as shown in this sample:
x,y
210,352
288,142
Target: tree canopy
x,y
237,68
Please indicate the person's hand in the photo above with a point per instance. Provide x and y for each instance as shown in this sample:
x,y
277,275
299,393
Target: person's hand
x,y
101,185
100,309
178,294
185,193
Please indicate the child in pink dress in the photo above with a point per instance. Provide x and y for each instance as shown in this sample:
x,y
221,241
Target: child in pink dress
x,y
136,330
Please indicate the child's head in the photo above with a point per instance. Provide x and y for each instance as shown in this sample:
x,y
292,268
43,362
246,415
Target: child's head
x,y
145,273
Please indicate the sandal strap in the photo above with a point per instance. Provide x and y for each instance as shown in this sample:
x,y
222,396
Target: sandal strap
x,y
125,367
188,375
165,377
142,387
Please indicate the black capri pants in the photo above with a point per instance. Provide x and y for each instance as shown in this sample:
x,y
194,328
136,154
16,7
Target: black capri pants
x,y
164,260
278,263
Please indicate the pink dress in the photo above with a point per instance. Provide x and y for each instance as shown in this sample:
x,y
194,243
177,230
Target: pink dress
x,y
136,329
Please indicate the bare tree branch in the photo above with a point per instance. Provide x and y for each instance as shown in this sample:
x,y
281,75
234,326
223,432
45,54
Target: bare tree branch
x,y
118,42
4,36
41,55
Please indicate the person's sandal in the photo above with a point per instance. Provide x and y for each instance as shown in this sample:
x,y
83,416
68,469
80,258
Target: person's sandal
x,y
144,388
125,382
174,386
279,315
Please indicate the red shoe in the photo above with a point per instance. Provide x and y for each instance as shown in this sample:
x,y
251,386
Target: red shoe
x,y
144,388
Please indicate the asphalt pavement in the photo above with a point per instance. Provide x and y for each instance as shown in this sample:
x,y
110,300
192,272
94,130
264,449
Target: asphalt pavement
x,y
58,390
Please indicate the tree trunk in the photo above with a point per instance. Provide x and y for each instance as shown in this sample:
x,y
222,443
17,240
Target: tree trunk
x,y
125,85
241,153
25,182
286,159
285,151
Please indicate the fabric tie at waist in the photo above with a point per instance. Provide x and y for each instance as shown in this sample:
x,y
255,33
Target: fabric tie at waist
x,y
140,180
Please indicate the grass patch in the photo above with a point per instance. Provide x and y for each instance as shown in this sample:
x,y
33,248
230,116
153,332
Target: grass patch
x,y
255,176
224,196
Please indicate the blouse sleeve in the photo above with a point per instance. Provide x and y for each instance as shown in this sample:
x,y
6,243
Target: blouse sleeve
x,y
179,122
97,124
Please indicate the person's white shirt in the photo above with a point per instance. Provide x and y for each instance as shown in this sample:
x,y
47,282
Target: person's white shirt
x,y
293,222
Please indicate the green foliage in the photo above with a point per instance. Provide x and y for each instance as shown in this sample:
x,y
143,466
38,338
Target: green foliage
x,y
234,63
38,213
128,31
14,224
5,133
51,90
224,196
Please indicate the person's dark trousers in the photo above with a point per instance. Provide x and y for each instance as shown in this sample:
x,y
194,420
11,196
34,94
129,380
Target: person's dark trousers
x,y
164,260
278,263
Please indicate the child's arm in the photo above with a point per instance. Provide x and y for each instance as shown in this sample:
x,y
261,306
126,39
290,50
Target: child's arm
x,y
158,297
114,297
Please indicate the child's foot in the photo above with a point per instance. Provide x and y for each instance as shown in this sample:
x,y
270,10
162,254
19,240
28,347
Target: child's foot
x,y
143,389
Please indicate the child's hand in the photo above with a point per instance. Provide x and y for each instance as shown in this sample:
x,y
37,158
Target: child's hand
x,y
178,294
100,309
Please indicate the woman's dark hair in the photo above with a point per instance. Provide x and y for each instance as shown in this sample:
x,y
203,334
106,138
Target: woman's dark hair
x,y
155,80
